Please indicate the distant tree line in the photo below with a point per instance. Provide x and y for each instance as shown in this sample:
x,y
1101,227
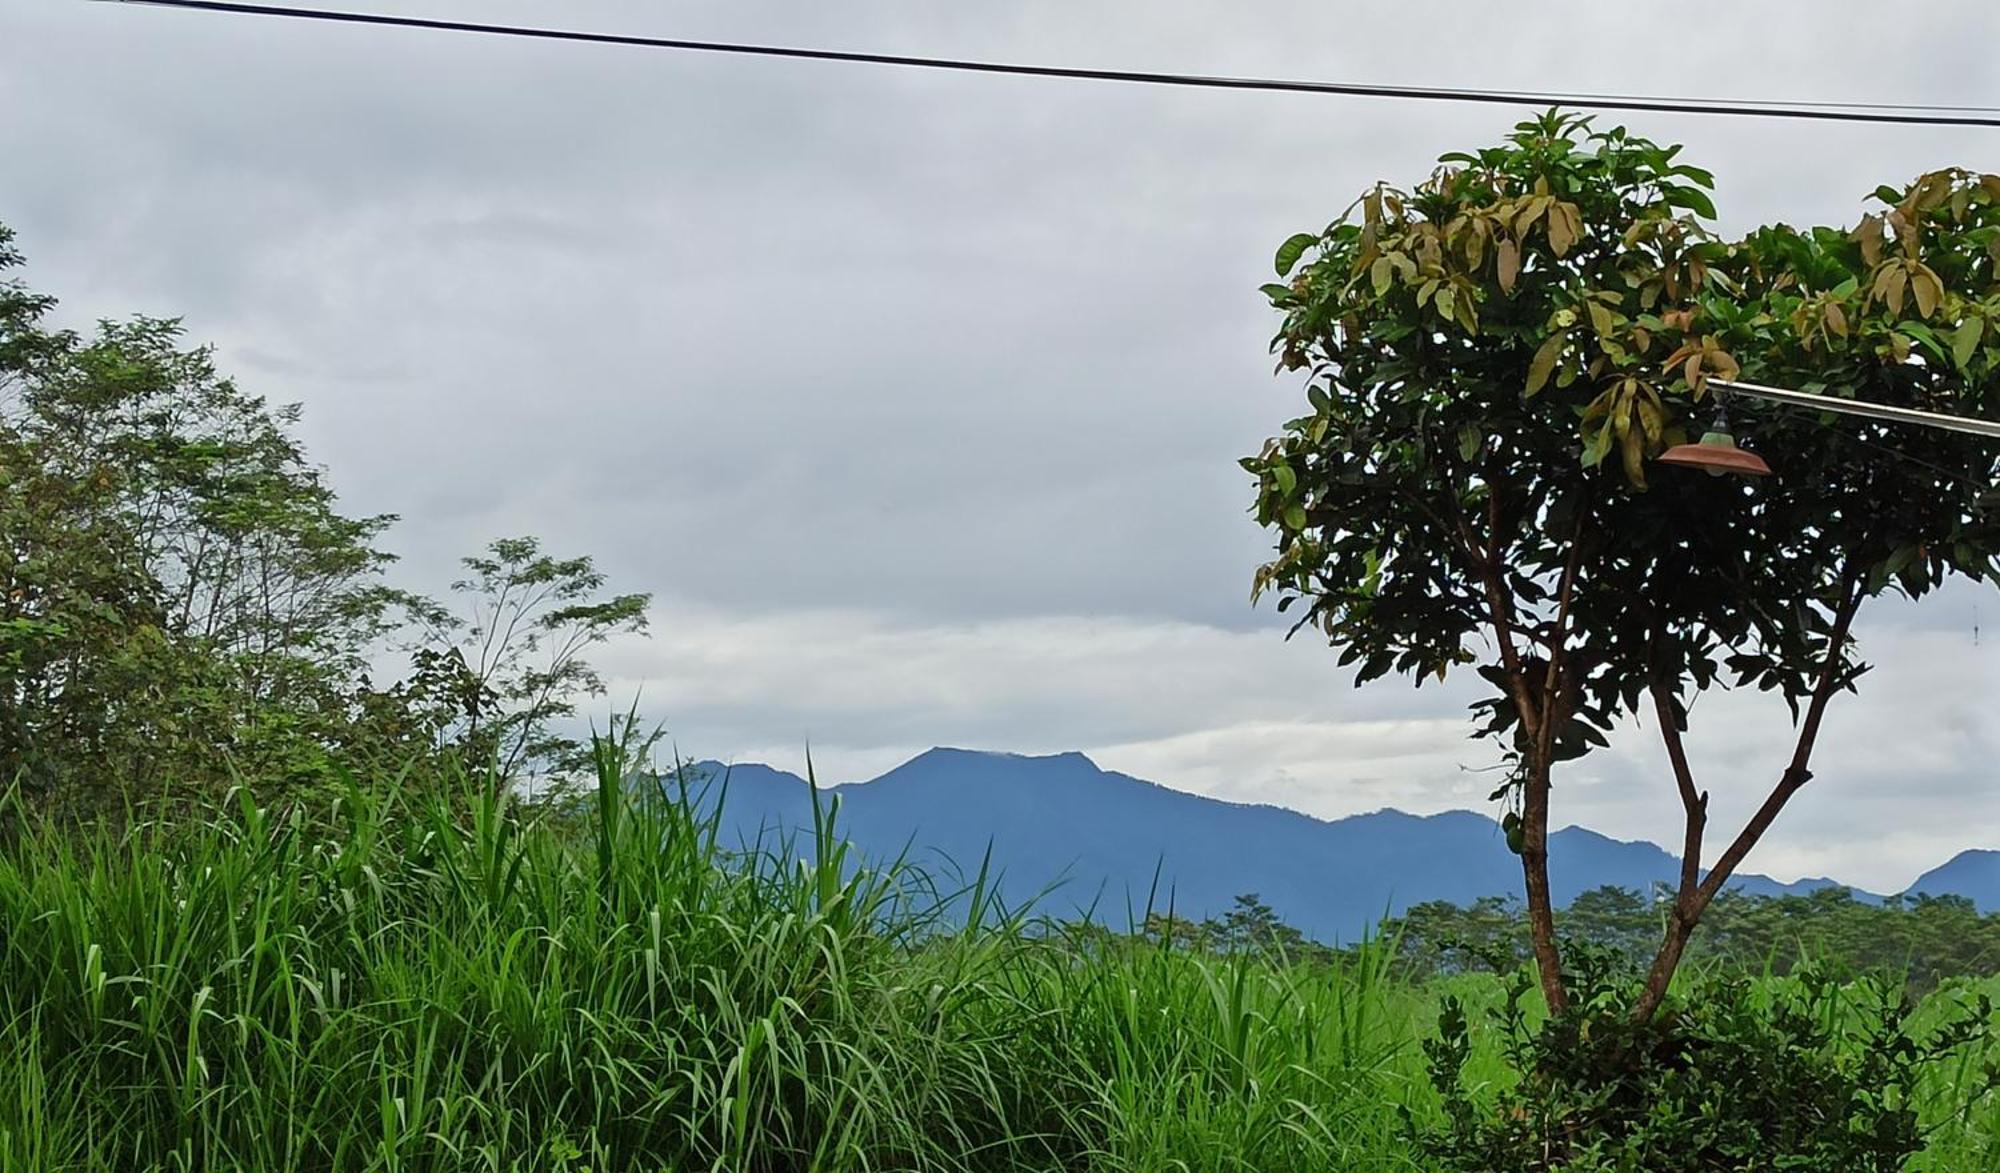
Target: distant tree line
x,y
1927,939
185,607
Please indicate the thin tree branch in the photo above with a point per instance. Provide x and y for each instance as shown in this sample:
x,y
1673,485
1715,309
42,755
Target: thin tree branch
x,y
1553,682
1695,805
1486,562
1796,773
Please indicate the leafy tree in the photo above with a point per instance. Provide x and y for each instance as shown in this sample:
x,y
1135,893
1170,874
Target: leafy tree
x,y
1251,924
513,665
1439,937
183,604
1494,360
1173,931
1619,920
179,585
1923,941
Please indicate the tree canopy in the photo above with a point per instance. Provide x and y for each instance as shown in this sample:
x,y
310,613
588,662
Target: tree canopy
x,y
1495,359
184,605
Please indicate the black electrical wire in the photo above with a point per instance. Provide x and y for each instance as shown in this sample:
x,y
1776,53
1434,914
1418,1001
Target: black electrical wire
x,y
1825,112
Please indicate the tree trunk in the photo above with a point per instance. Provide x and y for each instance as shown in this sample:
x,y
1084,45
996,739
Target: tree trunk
x,y
1535,877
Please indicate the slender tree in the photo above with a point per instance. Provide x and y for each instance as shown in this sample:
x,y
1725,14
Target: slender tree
x,y
1495,359
514,659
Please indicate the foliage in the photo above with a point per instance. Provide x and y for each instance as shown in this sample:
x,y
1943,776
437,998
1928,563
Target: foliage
x,y
178,588
1924,940
405,987
1495,358
1800,1074
1252,924
183,604
426,978
1439,937
514,665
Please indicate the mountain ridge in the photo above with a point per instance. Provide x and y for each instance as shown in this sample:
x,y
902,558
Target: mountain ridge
x,y
1060,827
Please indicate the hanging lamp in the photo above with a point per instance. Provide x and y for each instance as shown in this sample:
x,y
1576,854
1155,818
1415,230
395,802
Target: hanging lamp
x,y
1716,452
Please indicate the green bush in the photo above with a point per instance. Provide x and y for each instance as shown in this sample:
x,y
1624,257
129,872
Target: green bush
x,y
1801,1073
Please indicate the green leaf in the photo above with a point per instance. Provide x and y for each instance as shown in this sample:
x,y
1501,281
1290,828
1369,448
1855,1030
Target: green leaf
x,y
1545,361
1295,517
1286,478
1922,335
1275,291
1294,248
1595,445
1380,274
1469,442
1693,199
1965,341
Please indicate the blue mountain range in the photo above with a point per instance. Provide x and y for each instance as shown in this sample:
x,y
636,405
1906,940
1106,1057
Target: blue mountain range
x,y
1070,838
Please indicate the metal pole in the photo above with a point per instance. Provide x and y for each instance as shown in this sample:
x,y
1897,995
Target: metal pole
x,y
1861,407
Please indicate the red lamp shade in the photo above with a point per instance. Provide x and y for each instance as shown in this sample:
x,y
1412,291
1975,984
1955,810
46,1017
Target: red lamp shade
x,y
1717,454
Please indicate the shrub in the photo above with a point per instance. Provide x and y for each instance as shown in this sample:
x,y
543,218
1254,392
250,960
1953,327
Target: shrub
x,y
1803,1073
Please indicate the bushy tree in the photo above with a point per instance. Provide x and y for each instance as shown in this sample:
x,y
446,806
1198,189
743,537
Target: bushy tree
x,y
1251,924
179,584
184,605
1439,937
1495,358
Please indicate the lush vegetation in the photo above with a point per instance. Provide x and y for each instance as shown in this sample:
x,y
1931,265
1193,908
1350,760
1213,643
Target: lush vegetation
x,y
1496,357
420,976
1926,940
183,604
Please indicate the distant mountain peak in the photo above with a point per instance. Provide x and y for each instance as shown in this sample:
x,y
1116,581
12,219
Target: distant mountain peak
x,y
1066,834
1974,874
1975,855
949,753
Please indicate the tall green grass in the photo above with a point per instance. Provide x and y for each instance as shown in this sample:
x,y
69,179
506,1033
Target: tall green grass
x,y
423,979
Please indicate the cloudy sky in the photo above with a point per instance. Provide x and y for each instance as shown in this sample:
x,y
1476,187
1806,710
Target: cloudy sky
x,y
915,398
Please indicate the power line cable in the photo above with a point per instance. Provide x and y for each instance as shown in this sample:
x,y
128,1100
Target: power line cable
x,y
1815,111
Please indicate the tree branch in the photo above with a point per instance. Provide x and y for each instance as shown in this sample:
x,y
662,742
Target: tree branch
x,y
1695,805
1553,684
1486,562
1796,773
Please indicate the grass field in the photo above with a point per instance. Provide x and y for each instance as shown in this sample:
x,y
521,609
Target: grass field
x,y
417,984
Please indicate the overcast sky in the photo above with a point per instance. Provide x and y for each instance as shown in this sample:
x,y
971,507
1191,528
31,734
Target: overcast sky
x,y
915,398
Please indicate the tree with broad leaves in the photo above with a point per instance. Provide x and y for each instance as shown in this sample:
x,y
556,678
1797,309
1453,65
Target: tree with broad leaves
x,y
1496,358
